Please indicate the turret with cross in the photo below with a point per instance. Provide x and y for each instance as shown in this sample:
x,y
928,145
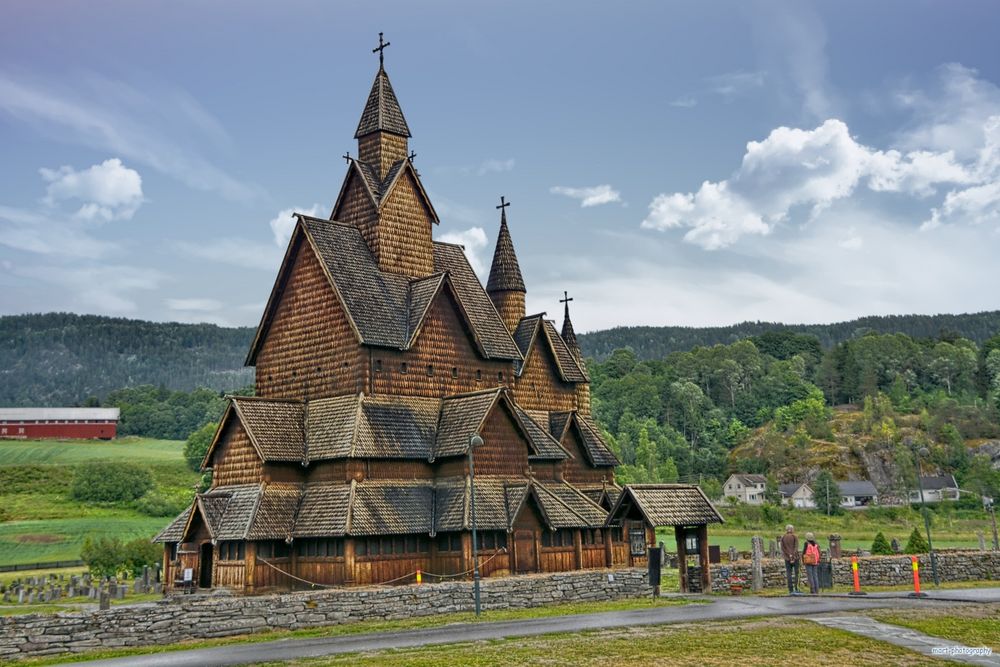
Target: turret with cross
x,y
567,328
505,285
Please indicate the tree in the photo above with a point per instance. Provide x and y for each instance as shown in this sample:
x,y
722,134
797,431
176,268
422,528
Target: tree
x,y
826,493
881,546
108,482
772,493
917,544
197,445
102,556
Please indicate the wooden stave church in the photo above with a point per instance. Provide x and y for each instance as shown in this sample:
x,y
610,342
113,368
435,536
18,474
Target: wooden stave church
x,y
378,356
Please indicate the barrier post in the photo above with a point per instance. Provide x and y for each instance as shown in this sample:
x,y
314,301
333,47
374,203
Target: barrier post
x,y
420,578
857,582
916,579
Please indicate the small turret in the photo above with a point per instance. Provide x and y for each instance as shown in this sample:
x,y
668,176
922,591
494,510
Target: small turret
x,y
505,285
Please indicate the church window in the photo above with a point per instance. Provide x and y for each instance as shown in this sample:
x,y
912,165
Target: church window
x,y
500,376
454,372
430,370
232,550
274,549
479,375
378,365
402,367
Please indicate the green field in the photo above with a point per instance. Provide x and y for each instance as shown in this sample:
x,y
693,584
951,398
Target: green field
x,y
41,523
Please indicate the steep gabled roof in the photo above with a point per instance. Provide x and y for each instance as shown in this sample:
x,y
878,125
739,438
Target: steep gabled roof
x,y
382,111
379,189
544,445
384,308
533,328
275,427
461,417
505,272
174,532
562,506
665,505
594,447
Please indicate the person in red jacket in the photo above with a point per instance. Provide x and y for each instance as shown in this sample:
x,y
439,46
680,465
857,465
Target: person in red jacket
x,y
790,551
810,558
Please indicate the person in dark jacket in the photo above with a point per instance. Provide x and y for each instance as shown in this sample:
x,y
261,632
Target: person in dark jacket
x,y
810,558
790,551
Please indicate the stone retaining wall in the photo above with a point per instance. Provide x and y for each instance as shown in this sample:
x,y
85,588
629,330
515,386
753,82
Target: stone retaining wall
x,y
874,570
195,617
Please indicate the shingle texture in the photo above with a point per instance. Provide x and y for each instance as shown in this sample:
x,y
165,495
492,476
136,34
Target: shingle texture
x,y
382,112
392,508
274,516
543,444
175,531
323,510
570,369
275,427
332,423
505,272
565,507
461,416
400,427
597,450
666,504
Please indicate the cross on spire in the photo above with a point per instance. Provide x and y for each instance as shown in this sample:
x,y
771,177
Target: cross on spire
x,y
566,299
503,204
379,50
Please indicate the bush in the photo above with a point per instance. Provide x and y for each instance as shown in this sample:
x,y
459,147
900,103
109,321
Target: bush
x,y
163,503
881,546
917,544
772,514
107,482
109,557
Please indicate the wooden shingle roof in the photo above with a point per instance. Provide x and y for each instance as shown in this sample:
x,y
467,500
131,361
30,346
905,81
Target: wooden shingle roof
x,y
274,427
533,329
382,111
391,507
563,506
174,532
665,505
595,449
461,417
323,510
505,272
402,427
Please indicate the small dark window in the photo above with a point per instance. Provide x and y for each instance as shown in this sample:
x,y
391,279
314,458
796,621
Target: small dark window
x,y
295,374
423,544
547,539
454,372
411,544
598,536
479,375
399,546
402,367
319,369
373,547
378,365
500,376
456,541
360,548
430,370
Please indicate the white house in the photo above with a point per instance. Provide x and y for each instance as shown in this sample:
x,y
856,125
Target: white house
x,y
936,489
748,488
857,493
797,495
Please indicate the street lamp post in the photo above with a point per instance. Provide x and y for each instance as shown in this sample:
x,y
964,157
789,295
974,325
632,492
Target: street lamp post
x,y
474,441
923,510
988,506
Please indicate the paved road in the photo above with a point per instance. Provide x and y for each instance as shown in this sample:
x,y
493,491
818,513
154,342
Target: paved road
x,y
714,610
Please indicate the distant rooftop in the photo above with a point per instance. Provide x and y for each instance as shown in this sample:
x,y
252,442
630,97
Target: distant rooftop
x,y
59,414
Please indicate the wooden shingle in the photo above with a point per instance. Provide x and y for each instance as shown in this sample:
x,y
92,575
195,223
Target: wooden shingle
x,y
667,504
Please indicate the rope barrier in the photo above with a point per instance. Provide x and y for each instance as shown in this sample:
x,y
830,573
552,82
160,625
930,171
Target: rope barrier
x,y
390,581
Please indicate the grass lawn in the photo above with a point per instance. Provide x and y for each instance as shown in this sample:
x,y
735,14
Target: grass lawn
x,y
41,523
972,625
69,604
364,627
751,642
144,450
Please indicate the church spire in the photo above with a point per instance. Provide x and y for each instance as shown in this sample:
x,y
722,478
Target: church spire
x,y
382,131
505,285
568,334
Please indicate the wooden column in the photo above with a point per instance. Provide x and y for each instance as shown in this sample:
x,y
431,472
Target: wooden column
x,y
168,577
293,565
349,560
250,563
681,559
706,574
609,552
538,549
578,548
467,553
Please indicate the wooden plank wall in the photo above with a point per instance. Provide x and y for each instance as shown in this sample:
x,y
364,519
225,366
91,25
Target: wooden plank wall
x,y
228,573
380,569
234,460
578,469
539,387
310,348
267,578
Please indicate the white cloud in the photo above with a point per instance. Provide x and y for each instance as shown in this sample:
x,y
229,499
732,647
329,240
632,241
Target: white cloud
x,y
494,166
283,223
197,305
162,128
109,191
685,102
592,196
474,240
727,86
797,168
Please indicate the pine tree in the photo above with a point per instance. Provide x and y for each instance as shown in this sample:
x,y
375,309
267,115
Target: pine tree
x,y
917,544
881,546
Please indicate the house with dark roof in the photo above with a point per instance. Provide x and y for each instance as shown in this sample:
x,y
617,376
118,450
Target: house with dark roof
x,y
936,489
746,488
797,494
379,357
857,493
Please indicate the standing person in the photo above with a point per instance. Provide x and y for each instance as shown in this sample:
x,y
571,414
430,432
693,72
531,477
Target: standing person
x,y
790,550
810,558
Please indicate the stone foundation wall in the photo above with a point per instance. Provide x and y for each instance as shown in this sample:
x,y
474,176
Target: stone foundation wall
x,y
874,570
194,617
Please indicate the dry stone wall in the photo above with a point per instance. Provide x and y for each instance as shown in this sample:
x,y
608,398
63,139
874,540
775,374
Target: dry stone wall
x,y
874,570
194,617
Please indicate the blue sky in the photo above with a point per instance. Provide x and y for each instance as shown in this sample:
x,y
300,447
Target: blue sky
x,y
669,163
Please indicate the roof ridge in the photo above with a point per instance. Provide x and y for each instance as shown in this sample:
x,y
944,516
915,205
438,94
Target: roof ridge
x,y
477,392
256,507
562,502
240,397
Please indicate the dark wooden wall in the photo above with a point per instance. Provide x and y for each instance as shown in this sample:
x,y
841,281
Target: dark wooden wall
x,y
578,469
235,461
539,386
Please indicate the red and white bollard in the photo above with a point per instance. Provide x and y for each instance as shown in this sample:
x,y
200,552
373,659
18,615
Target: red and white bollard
x,y
916,579
857,581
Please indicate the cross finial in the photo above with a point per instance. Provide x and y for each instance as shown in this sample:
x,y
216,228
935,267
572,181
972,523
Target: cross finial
x,y
347,156
413,156
566,299
503,204
380,49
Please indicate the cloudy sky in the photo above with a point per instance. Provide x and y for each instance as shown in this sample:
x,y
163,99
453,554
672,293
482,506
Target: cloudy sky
x,y
668,162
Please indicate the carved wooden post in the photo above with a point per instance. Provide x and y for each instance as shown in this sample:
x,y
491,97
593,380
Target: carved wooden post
x,y
681,559
757,555
706,574
349,565
578,548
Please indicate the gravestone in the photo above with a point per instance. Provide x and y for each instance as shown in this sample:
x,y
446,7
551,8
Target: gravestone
x,y
105,602
20,595
895,546
757,554
772,549
732,555
834,546
982,540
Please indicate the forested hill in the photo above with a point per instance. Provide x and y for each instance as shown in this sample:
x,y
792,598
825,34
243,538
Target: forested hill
x,y
61,359
649,343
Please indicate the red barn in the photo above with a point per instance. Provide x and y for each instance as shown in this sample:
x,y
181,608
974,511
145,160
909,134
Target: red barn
x,y
82,423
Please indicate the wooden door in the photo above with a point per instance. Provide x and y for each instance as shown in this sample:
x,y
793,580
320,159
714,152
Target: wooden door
x,y
524,550
205,566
